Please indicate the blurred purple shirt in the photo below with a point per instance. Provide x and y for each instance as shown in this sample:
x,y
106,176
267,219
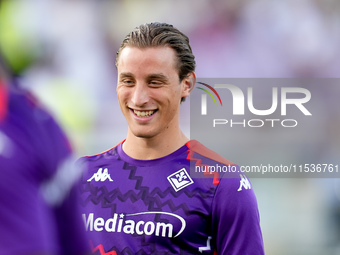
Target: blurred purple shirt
x,y
38,211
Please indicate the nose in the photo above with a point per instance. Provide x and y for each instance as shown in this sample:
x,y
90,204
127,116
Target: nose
x,y
140,94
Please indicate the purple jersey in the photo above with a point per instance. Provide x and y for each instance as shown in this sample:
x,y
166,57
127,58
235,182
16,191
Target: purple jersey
x,y
33,150
155,207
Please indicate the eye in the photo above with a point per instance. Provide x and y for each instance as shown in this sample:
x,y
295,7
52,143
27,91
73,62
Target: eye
x,y
155,83
127,82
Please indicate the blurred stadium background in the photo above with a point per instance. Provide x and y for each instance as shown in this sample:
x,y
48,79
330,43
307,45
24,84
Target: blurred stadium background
x,y
64,52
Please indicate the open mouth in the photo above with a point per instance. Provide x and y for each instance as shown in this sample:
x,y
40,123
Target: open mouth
x,y
144,113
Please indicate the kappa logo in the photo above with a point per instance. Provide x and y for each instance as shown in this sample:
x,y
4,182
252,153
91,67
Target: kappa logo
x,y
101,175
180,179
244,182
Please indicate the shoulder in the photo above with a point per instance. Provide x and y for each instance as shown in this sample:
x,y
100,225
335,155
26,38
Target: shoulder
x,y
206,163
23,100
34,133
197,148
26,111
227,175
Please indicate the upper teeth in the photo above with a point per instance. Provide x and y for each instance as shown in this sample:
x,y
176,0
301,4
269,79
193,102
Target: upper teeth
x,y
143,113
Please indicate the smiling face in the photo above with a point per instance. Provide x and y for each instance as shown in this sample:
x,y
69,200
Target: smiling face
x,y
149,90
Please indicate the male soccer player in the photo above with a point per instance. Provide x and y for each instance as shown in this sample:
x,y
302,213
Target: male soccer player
x,y
38,211
138,197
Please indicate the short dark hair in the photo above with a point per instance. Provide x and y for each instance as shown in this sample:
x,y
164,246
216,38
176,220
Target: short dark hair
x,y
162,34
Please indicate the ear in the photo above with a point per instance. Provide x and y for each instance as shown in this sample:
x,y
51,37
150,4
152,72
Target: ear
x,y
188,83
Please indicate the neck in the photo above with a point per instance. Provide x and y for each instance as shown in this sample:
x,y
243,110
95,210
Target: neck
x,y
154,147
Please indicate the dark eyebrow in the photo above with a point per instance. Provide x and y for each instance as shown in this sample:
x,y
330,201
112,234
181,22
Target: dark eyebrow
x,y
124,75
159,76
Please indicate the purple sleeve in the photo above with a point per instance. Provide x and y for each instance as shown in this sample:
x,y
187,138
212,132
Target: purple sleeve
x,y
236,221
